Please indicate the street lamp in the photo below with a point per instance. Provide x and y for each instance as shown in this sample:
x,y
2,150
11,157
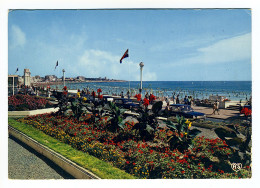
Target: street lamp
x,y
141,76
63,77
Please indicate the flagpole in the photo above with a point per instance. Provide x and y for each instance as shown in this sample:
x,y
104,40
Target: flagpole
x,y
124,56
56,79
129,74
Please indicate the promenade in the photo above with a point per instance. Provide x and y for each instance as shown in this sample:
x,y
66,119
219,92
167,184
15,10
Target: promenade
x,y
224,114
25,163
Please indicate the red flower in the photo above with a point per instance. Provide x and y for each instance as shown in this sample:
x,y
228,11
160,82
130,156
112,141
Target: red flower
x,y
246,111
127,162
99,90
65,88
146,102
138,96
183,172
152,97
100,96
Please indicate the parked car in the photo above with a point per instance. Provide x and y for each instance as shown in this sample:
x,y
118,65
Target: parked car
x,y
185,110
125,103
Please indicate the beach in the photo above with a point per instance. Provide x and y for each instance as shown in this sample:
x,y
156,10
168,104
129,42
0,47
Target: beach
x,y
232,90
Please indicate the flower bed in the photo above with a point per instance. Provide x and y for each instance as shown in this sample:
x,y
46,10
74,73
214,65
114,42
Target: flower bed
x,y
144,159
26,102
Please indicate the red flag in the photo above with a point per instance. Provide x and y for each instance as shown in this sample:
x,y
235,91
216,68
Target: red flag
x,y
124,56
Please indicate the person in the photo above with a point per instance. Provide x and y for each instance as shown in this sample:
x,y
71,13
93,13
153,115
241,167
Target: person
x,y
167,101
83,92
78,93
167,110
122,94
189,100
93,94
146,95
177,100
185,100
173,98
216,107
128,94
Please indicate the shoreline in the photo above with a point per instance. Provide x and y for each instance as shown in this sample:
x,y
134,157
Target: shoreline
x,y
73,82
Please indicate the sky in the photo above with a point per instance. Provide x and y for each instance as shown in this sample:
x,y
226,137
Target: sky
x,y
173,44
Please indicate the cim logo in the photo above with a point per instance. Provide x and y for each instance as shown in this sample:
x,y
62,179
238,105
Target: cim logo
x,y
236,166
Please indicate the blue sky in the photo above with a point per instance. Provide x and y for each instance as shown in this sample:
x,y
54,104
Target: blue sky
x,y
175,44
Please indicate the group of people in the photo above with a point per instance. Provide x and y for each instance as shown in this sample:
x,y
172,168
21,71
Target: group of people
x,y
176,100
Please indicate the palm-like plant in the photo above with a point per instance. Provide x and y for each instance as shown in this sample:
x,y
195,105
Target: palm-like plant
x,y
180,135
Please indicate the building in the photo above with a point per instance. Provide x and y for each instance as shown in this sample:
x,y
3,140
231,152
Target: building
x,y
81,78
27,77
50,78
13,83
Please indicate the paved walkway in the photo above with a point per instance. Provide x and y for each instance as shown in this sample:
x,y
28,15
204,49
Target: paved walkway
x,y
25,163
223,113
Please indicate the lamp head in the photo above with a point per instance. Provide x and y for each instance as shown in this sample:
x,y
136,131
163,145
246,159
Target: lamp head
x,y
141,64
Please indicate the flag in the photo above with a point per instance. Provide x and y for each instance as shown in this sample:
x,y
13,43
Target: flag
x,y
124,56
56,64
16,70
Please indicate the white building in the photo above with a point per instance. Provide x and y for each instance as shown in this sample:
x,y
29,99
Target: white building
x,y
27,77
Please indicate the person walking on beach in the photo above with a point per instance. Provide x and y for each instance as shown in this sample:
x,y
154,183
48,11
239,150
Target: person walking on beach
x,y
215,107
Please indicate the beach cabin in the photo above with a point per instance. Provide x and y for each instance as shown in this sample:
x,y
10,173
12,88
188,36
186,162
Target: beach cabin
x,y
225,103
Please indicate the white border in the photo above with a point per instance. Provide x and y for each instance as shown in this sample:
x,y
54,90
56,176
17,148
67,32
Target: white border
x,y
101,4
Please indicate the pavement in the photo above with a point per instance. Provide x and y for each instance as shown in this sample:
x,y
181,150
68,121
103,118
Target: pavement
x,y
25,163
223,113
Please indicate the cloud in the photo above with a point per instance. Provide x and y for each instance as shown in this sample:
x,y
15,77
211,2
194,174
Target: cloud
x,y
227,50
97,63
184,43
17,37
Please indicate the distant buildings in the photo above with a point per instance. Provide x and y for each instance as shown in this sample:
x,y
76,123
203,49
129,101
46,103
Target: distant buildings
x,y
81,78
27,79
50,78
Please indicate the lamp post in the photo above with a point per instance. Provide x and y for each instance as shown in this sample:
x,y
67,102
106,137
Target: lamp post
x,y
63,77
141,76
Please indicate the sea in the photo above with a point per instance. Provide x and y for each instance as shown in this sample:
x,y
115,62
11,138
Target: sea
x,y
233,90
